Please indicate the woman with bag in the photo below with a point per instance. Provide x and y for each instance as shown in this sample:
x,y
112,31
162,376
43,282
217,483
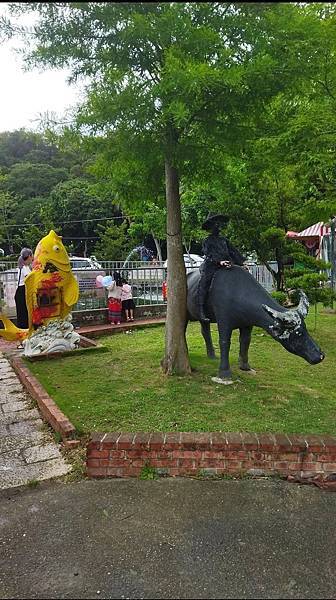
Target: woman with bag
x,y
25,259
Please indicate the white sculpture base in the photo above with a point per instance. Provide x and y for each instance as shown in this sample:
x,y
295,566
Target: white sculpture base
x,y
57,336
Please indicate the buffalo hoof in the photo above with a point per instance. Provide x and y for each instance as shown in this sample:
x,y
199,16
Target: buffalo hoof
x,y
212,356
222,381
249,371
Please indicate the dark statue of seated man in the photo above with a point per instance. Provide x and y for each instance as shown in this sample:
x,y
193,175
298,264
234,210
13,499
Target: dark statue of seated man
x,y
219,253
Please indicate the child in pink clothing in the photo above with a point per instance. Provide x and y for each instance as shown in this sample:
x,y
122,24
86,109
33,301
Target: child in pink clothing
x,y
114,300
127,300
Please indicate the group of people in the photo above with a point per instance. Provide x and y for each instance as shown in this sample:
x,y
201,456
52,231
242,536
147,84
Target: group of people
x,y
120,296
120,299
218,251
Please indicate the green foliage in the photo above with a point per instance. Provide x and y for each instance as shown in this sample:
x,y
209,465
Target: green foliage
x,y
148,472
26,146
114,243
29,180
150,218
178,82
280,297
57,437
312,284
196,202
274,237
58,188
8,208
33,483
240,97
75,200
308,274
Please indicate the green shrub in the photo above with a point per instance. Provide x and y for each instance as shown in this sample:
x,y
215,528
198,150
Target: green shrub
x,y
280,297
148,472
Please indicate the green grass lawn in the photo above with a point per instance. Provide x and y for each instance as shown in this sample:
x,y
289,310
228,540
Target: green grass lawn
x,y
125,390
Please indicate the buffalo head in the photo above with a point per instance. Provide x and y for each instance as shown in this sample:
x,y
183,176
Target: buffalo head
x,y
289,329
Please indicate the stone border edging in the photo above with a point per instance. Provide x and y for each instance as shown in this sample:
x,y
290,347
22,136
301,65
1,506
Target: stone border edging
x,y
189,454
85,342
50,411
94,331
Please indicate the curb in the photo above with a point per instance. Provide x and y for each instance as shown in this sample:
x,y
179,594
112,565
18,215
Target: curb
x,y
50,411
94,331
189,454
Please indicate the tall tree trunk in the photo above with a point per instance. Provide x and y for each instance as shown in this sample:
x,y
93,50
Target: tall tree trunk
x,y
158,247
176,359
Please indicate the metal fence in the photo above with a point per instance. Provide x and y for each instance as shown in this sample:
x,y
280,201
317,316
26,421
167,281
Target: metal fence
x,y
145,278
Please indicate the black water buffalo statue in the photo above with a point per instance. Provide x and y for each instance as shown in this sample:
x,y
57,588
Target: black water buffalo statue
x,y
237,301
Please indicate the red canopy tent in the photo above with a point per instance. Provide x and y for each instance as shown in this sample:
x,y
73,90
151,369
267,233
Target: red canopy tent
x,y
312,237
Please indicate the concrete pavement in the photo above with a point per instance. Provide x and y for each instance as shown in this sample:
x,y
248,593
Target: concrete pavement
x,y
168,539
27,450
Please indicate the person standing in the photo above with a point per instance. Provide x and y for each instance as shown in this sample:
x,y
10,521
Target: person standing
x,y
25,259
127,300
114,300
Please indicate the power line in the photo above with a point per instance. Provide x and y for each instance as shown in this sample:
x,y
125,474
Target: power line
x,y
67,222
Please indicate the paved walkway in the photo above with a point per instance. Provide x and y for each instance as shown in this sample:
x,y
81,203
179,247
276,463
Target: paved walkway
x,y
7,346
27,450
168,539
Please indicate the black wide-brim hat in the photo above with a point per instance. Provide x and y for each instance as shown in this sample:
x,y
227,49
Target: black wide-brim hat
x,y
215,220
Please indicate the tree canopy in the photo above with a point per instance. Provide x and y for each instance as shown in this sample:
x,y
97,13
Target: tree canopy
x,y
230,103
55,191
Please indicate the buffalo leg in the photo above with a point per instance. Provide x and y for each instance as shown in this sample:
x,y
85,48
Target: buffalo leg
x,y
206,332
224,344
244,340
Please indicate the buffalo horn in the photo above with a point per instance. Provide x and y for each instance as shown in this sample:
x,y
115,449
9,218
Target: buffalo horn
x,y
303,306
288,317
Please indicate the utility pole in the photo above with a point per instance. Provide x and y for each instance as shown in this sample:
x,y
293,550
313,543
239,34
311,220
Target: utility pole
x,y
332,257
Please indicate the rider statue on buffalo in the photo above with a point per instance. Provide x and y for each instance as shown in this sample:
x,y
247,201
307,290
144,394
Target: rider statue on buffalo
x,y
224,292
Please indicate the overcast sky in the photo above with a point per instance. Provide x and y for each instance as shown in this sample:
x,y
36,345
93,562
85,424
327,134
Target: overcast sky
x,y
25,95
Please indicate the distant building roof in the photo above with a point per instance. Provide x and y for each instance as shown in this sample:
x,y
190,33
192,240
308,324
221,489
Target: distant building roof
x,y
317,230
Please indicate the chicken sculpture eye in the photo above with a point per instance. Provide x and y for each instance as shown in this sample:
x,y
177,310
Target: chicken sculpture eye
x,y
56,248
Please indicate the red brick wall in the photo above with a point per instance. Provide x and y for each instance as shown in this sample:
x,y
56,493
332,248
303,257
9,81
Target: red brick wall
x,y
182,454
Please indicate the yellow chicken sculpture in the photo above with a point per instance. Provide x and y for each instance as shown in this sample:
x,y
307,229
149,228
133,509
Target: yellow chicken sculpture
x,y
51,288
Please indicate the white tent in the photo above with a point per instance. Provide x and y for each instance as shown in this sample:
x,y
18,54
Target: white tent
x,y
316,238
